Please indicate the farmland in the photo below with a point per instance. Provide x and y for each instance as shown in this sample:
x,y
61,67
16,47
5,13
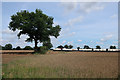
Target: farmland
x,y
61,65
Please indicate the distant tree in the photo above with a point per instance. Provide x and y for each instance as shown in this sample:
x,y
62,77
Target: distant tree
x,y
66,46
14,48
98,47
86,47
61,47
3,48
70,46
28,48
8,47
78,48
112,47
18,48
37,25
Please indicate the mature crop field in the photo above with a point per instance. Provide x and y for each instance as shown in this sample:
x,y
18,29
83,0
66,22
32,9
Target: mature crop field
x,y
61,65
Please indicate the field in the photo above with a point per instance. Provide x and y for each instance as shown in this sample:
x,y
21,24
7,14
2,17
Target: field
x,y
61,65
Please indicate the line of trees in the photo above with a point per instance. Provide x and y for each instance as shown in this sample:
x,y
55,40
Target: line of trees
x,y
10,47
65,46
85,47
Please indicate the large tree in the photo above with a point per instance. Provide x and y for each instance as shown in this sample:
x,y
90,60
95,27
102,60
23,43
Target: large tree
x,y
37,25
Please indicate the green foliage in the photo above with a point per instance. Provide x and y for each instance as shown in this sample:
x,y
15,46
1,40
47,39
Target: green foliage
x,y
14,48
43,49
70,46
66,46
37,25
3,48
8,47
61,47
86,47
78,48
0,47
28,48
18,48
47,44
112,47
98,47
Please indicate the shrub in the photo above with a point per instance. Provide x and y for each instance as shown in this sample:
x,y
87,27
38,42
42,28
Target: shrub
x,y
0,47
14,48
42,50
28,48
8,47
48,45
3,48
18,48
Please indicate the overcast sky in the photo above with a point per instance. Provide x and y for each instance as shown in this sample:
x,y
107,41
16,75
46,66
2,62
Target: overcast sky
x,y
87,23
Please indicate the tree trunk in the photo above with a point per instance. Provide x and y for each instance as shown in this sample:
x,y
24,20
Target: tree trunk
x,y
36,45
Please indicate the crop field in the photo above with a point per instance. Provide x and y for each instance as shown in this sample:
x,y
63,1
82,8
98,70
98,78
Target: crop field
x,y
61,65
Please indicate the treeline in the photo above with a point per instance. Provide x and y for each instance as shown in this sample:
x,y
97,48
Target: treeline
x,y
85,47
10,47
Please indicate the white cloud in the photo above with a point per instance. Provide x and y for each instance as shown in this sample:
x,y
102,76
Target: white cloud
x,y
71,34
11,37
73,21
55,23
82,7
80,40
70,43
88,7
114,16
68,6
99,43
55,42
8,31
106,38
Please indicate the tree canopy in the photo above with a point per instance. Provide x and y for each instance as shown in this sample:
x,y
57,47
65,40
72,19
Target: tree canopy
x,y
61,47
28,48
66,46
78,48
112,47
37,25
70,46
98,47
8,47
86,47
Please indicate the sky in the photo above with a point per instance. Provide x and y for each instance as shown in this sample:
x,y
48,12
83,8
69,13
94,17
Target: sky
x,y
82,23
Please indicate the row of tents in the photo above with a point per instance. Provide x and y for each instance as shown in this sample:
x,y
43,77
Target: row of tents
x,y
64,49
